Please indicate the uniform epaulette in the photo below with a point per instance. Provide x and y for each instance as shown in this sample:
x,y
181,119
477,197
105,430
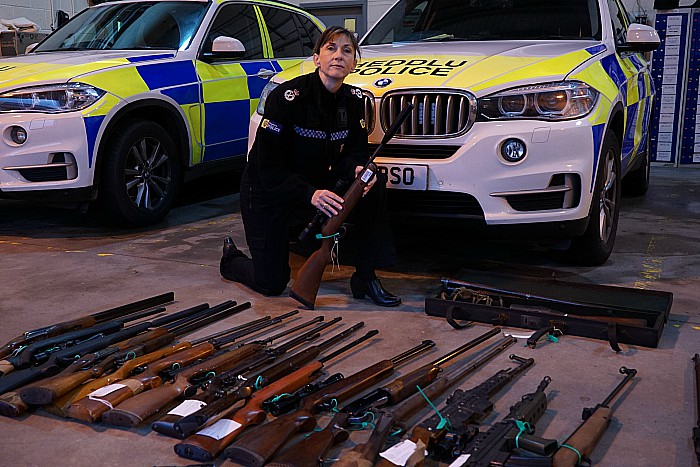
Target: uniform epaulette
x,y
353,91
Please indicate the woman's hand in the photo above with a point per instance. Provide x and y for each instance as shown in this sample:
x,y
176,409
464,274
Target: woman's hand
x,y
327,202
358,169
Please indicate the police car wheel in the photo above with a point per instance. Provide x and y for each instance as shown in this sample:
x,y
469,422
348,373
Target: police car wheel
x,y
141,173
593,248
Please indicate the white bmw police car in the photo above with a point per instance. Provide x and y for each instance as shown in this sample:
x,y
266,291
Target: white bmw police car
x,y
130,98
528,113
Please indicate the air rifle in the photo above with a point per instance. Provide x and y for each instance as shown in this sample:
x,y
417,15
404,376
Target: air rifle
x,y
49,389
596,420
406,385
138,406
208,443
494,446
93,365
388,418
228,389
258,446
34,335
313,449
38,352
305,287
126,337
132,365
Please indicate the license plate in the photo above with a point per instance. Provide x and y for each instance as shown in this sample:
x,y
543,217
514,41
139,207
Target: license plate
x,y
406,177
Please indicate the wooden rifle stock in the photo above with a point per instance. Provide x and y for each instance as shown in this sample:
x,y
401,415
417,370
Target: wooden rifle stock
x,y
308,280
220,398
83,322
258,446
138,407
206,444
91,407
596,421
311,451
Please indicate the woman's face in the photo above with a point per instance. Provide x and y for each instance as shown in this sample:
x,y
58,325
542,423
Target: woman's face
x,y
336,58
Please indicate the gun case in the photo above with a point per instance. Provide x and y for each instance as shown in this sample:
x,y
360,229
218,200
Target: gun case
x,y
615,314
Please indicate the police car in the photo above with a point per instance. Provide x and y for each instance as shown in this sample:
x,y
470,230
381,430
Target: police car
x,y
130,98
528,114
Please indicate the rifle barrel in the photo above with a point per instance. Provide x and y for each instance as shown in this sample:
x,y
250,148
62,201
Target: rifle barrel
x,y
213,314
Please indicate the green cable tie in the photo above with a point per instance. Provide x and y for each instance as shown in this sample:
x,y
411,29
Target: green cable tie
x,y
19,350
573,449
321,236
552,338
212,373
276,398
130,356
364,425
334,407
522,426
443,421
396,432
258,382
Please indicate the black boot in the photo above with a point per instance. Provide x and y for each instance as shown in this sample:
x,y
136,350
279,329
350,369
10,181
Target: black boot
x,y
230,248
374,290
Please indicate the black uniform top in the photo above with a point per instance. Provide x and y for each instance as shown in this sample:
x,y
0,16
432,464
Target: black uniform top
x,y
307,139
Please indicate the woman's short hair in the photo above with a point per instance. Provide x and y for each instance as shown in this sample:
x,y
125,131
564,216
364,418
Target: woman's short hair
x,y
331,33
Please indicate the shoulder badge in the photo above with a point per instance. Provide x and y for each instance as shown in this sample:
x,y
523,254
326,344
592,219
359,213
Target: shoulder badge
x,y
356,92
363,124
290,94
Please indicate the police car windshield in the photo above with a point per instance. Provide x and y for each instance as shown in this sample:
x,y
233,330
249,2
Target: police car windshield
x,y
487,20
124,25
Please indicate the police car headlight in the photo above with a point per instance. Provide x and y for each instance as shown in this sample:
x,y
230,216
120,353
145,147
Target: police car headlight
x,y
263,96
53,98
555,101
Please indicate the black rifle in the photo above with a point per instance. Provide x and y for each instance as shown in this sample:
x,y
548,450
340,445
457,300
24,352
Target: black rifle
x,y
386,419
38,352
65,357
515,431
462,410
34,335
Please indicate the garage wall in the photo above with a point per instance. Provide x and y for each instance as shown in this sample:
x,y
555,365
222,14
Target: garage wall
x,y
39,11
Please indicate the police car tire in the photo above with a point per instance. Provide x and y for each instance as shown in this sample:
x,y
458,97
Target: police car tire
x,y
593,248
119,201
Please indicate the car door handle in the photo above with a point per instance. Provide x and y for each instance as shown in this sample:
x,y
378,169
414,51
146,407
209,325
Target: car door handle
x,y
264,73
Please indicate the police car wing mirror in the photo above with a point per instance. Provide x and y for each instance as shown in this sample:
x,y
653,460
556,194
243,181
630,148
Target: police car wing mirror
x,y
224,45
640,38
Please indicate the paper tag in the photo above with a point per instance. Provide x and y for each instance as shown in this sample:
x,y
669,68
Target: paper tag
x,y
220,429
518,336
103,391
188,407
459,462
399,453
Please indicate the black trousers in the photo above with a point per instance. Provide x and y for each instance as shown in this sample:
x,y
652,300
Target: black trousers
x,y
267,220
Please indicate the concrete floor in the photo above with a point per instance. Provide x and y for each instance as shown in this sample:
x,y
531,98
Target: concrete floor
x,y
57,265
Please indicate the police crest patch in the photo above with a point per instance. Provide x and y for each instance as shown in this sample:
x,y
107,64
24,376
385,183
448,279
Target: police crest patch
x,y
290,94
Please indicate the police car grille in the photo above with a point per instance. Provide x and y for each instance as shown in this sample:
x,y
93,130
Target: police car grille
x,y
433,204
436,113
412,151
